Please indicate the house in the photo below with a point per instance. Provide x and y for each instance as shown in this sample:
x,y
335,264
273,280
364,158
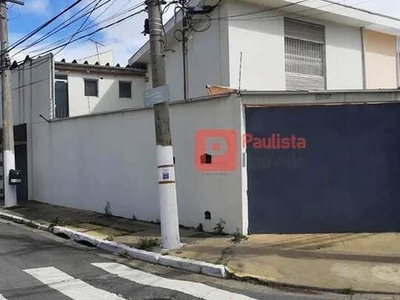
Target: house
x,y
85,89
298,153
312,161
281,45
80,88
44,89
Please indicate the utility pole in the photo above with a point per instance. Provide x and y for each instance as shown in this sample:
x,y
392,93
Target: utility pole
x,y
165,156
184,24
10,191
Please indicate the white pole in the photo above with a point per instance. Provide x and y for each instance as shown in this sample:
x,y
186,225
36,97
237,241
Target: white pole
x,y
10,191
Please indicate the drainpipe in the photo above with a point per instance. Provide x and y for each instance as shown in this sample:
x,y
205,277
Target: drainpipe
x,y
364,70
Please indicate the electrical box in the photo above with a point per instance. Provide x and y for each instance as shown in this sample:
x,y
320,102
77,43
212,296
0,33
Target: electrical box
x,y
14,177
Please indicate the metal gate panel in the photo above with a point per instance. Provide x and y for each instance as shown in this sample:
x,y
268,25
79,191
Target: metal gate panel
x,y
346,179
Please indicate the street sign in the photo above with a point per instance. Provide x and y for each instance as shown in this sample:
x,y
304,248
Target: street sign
x,y
156,95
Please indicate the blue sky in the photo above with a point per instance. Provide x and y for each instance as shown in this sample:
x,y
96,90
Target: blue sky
x,y
123,39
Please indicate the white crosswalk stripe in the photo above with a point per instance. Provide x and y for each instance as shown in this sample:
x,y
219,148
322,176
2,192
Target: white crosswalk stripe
x,y
74,288
2,298
195,289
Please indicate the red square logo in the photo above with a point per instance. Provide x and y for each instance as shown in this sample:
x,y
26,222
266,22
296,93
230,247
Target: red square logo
x,y
215,150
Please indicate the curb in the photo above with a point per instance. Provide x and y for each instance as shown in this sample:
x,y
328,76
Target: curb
x,y
190,265
21,220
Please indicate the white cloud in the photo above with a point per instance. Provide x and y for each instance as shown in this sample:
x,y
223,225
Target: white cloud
x,y
124,38
37,6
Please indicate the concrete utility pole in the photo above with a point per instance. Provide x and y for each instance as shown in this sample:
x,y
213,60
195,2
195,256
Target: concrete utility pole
x,y
10,191
165,156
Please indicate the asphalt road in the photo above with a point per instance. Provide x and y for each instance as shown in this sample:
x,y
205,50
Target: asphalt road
x,y
36,265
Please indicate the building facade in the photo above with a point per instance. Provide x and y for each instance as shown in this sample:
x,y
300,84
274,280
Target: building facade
x,y
278,46
44,91
85,89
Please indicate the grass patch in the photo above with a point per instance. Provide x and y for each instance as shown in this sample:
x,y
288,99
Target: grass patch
x,y
146,243
225,256
348,291
238,237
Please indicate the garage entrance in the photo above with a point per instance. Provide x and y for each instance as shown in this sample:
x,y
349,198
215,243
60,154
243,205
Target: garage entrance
x,y
318,169
20,163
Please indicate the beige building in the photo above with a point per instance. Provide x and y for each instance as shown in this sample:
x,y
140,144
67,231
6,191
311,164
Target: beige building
x,y
381,60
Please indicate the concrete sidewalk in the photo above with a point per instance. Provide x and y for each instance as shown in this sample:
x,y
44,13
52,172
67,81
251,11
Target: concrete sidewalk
x,y
367,262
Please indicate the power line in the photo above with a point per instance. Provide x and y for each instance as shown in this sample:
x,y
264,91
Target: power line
x,y
89,34
261,11
340,8
80,27
330,3
363,10
286,14
59,27
62,41
29,35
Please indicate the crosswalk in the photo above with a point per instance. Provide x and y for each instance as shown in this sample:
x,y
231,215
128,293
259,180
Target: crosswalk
x,y
77,289
74,288
194,289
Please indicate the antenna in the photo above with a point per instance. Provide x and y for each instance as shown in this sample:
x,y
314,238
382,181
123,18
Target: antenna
x,y
97,48
240,70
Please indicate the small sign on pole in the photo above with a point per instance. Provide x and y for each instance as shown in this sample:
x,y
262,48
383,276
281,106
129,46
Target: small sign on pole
x,y
156,95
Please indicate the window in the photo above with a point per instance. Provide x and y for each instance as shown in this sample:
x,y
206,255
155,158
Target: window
x,y
61,96
91,87
125,89
304,55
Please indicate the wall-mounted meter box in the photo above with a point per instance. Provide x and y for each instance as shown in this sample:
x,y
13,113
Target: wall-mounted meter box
x,y
14,177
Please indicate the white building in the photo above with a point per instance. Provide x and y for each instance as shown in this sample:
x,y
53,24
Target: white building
x,y
43,89
344,177
313,45
85,89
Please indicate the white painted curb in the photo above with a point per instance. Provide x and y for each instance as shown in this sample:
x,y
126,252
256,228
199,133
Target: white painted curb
x,y
114,247
181,263
62,230
82,237
144,255
213,270
24,221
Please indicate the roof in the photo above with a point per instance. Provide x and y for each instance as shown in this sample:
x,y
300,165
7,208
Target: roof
x,y
218,90
97,68
326,10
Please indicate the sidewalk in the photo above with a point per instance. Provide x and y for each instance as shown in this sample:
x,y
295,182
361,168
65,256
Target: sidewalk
x,y
367,262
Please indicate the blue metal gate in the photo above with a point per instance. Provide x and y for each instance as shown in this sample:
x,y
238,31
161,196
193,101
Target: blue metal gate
x,y
314,169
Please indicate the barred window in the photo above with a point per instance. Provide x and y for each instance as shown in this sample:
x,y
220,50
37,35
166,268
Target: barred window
x,y
304,55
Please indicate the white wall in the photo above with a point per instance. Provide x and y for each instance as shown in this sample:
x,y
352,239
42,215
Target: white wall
x,y
31,92
343,57
31,86
207,60
108,89
208,56
86,161
261,42
174,72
